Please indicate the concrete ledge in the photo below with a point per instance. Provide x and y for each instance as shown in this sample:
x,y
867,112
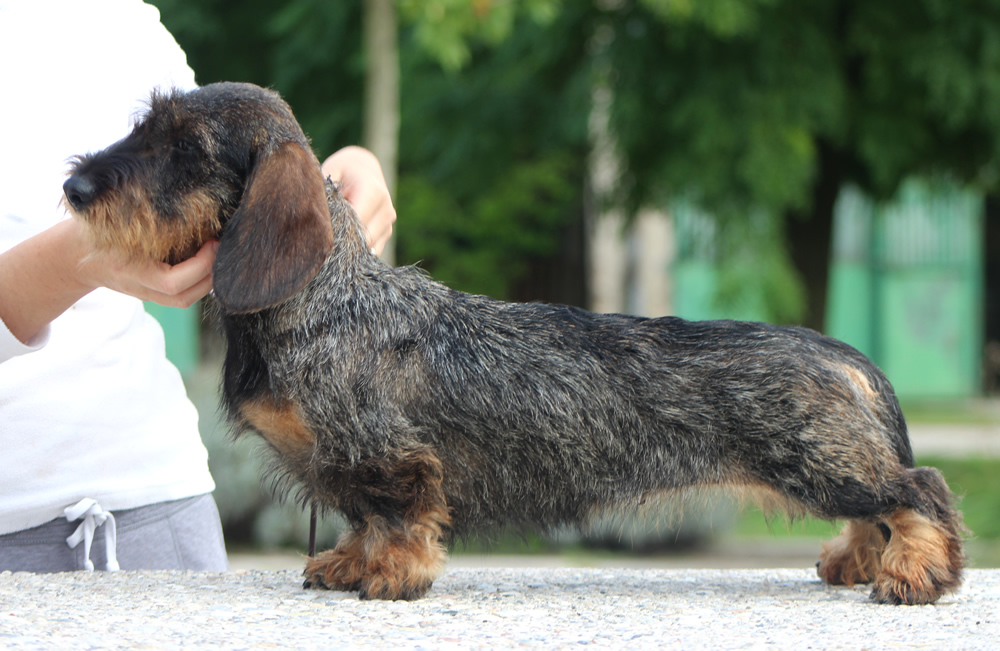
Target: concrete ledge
x,y
961,441
486,607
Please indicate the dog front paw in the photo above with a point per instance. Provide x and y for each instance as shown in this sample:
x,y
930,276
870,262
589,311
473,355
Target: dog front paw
x,y
398,572
331,570
390,589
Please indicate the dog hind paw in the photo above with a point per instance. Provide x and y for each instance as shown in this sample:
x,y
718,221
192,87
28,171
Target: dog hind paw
x,y
897,592
853,557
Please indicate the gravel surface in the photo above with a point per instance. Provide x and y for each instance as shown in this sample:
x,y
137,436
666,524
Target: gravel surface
x,y
487,608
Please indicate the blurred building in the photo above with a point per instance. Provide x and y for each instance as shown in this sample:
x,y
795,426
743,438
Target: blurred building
x,y
908,285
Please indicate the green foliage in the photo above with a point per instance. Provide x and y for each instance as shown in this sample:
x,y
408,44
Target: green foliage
x,y
747,105
308,50
492,156
731,103
727,120
748,88
754,270
482,245
446,28
721,17
927,87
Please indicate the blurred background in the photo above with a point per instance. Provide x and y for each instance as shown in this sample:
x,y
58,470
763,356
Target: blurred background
x,y
831,163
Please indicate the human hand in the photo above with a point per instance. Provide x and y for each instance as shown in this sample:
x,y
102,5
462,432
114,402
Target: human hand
x,y
363,185
179,285
41,277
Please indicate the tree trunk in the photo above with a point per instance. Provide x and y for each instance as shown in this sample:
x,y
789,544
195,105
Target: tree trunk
x,y
381,120
810,236
560,278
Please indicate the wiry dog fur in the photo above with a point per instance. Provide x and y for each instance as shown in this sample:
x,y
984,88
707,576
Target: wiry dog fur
x,y
424,414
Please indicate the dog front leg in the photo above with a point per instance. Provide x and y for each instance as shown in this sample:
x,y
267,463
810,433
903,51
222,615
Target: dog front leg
x,y
396,548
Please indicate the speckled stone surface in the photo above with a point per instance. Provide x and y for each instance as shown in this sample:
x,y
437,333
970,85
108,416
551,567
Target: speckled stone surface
x,y
487,608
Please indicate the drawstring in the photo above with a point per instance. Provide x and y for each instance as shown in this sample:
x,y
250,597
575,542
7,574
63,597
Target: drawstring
x,y
93,516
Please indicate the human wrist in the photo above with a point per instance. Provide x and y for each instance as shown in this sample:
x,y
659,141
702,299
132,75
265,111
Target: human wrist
x,y
42,277
73,265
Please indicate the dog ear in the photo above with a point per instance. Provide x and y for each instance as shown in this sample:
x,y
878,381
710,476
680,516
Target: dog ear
x,y
280,235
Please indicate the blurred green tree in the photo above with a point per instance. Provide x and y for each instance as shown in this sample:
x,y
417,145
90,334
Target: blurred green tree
x,y
492,154
775,104
308,50
746,107
447,29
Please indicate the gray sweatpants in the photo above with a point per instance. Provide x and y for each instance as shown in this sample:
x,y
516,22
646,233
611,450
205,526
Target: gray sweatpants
x,y
181,535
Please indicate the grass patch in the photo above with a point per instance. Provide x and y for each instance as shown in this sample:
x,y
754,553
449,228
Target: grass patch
x,y
951,412
509,543
975,481
977,484
754,524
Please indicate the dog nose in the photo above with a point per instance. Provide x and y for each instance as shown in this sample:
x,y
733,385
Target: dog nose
x,y
79,191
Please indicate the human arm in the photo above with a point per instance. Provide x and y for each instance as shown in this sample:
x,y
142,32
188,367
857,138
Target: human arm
x,y
363,185
43,276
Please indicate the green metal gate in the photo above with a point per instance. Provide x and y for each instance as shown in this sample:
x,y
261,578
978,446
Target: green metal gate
x,y
906,286
182,331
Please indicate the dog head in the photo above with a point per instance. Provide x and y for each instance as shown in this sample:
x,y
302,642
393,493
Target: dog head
x,y
225,161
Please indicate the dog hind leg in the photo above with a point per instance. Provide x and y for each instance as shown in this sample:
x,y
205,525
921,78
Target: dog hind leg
x,y
923,558
912,554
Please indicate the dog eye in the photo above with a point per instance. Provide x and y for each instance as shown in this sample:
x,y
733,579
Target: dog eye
x,y
183,145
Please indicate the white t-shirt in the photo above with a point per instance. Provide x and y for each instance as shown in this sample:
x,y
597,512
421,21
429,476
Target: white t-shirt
x,y
93,409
